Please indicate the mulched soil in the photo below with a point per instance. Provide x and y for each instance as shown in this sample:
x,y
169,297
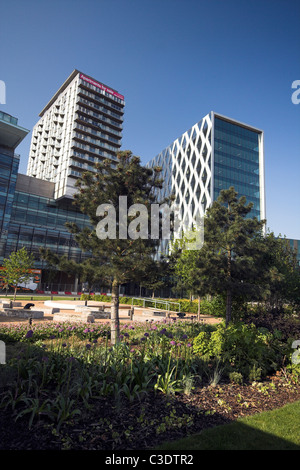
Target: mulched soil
x,y
145,425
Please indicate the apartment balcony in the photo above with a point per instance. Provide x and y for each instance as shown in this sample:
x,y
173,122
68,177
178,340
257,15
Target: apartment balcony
x,y
85,85
97,107
94,118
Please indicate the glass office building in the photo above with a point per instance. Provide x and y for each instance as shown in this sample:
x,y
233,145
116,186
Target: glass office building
x,y
38,221
11,134
216,153
295,246
30,216
237,162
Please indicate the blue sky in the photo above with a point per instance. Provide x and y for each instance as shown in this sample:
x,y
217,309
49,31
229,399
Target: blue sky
x,y
174,61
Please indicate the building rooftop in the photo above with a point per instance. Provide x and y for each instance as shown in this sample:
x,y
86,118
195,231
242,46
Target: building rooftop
x,y
64,86
11,134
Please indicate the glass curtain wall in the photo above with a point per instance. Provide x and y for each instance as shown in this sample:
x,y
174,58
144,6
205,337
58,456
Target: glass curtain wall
x,y
236,162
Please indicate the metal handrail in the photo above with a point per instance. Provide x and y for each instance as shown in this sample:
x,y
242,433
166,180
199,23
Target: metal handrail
x,y
167,303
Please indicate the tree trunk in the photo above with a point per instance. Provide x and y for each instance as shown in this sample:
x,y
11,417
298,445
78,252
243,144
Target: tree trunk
x,y
228,307
198,315
114,318
15,294
228,296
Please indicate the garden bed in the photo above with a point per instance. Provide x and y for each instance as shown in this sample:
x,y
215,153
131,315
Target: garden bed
x,y
111,416
137,426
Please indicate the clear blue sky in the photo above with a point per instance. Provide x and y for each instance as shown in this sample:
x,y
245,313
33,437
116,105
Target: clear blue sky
x,y
174,61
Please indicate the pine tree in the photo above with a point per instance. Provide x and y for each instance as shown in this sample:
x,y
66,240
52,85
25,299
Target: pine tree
x,y
229,263
232,249
121,245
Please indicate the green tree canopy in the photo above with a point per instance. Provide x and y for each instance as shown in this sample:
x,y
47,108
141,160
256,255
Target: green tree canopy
x,y
229,261
120,257
281,283
17,268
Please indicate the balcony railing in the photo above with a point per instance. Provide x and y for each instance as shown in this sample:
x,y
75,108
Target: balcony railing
x,y
8,118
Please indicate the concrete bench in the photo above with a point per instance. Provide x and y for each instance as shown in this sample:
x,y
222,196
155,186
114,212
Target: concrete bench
x,y
21,313
154,313
87,317
9,304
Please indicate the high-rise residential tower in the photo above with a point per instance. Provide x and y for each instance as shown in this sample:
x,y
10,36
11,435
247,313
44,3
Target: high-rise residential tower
x,y
216,153
81,125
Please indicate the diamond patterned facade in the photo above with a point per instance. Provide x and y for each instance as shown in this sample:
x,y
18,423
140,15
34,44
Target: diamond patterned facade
x,y
216,153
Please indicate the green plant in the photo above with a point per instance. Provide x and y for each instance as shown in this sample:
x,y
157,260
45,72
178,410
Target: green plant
x,y
236,377
255,373
240,347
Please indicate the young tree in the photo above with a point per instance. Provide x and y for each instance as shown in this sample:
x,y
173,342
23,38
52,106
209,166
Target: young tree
x,y
190,272
17,268
119,242
88,270
281,281
229,261
232,250
159,275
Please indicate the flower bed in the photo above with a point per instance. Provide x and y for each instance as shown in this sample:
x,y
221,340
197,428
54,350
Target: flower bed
x,y
162,380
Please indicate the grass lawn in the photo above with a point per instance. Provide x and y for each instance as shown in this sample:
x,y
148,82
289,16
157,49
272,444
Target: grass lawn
x,y
272,430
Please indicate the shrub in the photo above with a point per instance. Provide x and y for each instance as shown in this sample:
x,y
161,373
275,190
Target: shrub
x,y
241,348
236,378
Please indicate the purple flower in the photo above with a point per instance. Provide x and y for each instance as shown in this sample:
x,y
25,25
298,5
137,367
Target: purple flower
x,y
121,336
29,334
88,346
64,345
189,345
146,334
184,336
173,343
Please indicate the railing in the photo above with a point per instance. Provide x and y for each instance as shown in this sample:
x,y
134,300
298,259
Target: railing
x,y
8,118
156,302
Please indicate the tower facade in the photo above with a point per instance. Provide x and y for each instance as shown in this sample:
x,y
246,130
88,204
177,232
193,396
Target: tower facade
x,y
80,126
216,153
11,135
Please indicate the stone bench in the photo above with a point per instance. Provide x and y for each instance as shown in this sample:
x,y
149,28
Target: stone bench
x,y
154,313
9,304
21,313
85,317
